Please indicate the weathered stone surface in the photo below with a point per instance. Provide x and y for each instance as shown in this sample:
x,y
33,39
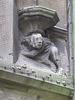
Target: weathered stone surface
x,y
25,3
15,33
6,29
13,92
37,17
58,5
10,34
32,19
9,51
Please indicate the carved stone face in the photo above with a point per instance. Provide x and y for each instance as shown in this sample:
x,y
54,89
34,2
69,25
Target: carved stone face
x,y
37,40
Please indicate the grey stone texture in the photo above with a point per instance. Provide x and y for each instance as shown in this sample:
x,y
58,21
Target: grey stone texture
x,y
27,93
33,18
15,33
30,21
10,50
58,5
6,29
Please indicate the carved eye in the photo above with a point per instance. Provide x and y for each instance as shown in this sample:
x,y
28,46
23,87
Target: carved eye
x,y
37,38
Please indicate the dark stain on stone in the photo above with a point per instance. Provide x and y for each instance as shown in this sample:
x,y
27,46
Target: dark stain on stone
x,y
38,97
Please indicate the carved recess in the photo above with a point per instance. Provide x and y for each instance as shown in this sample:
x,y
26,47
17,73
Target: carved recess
x,y
38,46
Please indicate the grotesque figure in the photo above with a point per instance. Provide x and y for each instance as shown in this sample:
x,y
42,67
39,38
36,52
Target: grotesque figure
x,y
40,49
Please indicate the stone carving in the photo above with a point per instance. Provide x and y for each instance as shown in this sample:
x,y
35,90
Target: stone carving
x,y
41,44
41,49
34,45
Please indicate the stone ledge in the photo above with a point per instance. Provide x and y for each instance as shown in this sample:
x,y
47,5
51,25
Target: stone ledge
x,y
34,83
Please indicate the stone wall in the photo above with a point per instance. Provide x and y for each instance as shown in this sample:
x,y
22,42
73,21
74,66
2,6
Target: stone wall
x,y
6,29
8,23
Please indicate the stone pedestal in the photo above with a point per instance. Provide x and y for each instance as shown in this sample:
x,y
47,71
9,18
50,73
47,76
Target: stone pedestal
x,y
36,18
59,6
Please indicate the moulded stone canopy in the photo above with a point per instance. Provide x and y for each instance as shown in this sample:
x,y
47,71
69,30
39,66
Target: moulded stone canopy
x,y
35,18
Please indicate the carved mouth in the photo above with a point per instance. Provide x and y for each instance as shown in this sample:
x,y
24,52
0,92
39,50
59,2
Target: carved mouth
x,y
39,45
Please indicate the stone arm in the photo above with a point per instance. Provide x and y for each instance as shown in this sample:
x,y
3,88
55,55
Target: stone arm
x,y
32,53
25,41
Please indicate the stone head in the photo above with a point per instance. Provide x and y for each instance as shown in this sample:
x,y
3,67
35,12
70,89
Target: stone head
x,y
37,40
